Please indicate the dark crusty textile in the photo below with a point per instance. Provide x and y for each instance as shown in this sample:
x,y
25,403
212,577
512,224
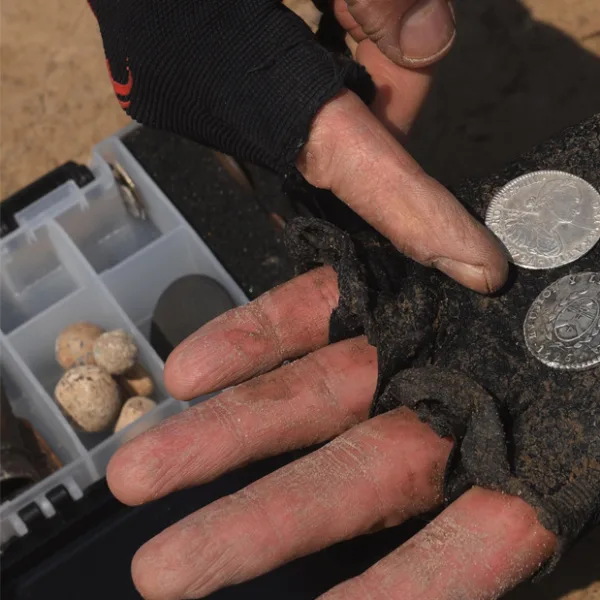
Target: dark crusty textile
x,y
459,360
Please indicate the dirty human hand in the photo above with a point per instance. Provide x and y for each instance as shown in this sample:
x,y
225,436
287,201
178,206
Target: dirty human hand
x,y
373,473
280,99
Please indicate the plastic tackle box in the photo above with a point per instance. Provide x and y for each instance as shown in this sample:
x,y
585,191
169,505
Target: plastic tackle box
x,y
80,254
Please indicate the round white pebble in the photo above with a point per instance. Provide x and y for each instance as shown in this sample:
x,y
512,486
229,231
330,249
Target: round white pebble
x,y
75,344
115,351
89,396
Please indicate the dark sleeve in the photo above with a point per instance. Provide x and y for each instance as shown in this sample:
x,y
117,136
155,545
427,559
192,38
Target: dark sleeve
x,y
243,76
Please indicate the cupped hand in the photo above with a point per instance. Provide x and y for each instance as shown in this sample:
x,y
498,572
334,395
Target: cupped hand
x,y
374,473
356,152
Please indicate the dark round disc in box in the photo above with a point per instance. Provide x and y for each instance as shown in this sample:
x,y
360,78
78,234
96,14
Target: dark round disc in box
x,y
186,305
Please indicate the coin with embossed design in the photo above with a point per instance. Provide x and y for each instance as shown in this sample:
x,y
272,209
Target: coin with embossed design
x,y
546,219
562,326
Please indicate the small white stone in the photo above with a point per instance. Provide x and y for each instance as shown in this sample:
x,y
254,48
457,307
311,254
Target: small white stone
x,y
89,396
115,351
132,410
75,344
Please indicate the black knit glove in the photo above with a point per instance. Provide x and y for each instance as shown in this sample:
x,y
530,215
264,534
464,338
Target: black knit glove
x,y
245,77
460,362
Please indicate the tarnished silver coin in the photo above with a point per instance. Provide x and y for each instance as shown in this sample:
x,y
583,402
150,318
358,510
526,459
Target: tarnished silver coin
x,y
562,326
546,219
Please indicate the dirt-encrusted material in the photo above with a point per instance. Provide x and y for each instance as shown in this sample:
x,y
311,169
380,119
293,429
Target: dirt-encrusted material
x,y
459,360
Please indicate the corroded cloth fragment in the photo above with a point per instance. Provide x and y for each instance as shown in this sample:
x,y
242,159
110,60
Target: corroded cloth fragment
x,y
460,361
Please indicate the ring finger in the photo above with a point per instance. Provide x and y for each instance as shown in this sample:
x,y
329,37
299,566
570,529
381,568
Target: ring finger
x,y
379,473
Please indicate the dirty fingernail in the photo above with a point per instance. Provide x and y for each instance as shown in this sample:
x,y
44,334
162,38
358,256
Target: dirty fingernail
x,y
428,30
473,276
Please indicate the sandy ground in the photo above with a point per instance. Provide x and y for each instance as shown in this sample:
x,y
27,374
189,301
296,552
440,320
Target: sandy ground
x,y
590,593
520,72
56,101
511,81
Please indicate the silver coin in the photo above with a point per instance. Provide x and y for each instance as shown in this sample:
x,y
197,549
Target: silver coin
x,y
546,219
562,326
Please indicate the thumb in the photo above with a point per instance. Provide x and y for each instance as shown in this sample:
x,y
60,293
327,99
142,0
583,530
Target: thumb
x,y
351,153
411,33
